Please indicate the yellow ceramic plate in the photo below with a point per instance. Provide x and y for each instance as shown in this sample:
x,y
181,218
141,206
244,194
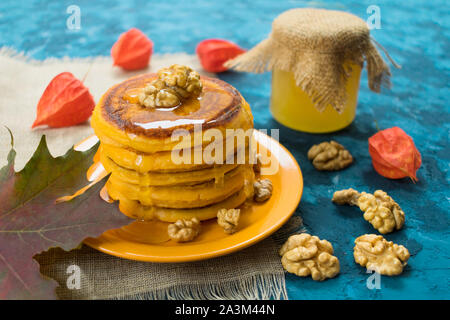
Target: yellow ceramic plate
x,y
148,241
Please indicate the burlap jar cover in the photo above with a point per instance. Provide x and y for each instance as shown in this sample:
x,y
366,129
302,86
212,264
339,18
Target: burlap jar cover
x,y
313,44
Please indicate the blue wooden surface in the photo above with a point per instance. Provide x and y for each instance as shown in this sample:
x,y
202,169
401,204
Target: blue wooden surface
x,y
416,33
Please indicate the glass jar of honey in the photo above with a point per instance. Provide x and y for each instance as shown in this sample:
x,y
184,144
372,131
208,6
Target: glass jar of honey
x,y
316,57
293,107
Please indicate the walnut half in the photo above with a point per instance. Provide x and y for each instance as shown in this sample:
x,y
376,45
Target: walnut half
x,y
173,85
381,211
379,208
263,190
329,156
228,219
305,255
376,253
184,230
347,196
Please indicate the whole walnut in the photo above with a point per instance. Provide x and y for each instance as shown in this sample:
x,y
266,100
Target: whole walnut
x,y
329,156
379,208
184,230
376,253
305,255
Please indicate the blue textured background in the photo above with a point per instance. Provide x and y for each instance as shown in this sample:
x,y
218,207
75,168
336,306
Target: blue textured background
x,y
416,33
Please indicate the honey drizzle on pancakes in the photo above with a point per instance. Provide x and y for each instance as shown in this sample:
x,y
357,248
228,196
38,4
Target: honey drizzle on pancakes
x,y
217,105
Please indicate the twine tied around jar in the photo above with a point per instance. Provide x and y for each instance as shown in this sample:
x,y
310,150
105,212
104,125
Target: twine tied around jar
x,y
313,44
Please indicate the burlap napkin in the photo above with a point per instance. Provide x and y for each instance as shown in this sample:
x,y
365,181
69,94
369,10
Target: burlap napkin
x,y
254,273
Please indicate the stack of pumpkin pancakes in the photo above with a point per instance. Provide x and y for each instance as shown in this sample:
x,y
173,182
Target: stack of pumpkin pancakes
x,y
137,147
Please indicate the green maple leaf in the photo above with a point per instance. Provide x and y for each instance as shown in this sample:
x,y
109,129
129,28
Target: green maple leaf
x,y
31,222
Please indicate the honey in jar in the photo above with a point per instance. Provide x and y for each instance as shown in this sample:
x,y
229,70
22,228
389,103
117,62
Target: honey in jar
x,y
316,57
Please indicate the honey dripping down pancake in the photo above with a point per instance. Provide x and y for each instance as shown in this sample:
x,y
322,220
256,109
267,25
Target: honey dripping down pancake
x,y
183,196
164,178
163,162
137,146
134,209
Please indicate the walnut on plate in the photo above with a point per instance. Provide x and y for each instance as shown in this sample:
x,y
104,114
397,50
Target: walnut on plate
x,y
329,156
173,85
184,230
228,219
379,208
376,253
305,255
263,190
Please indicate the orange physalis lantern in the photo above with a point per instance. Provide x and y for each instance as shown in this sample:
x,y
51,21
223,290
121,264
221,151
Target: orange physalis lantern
x,y
65,102
213,53
132,51
394,154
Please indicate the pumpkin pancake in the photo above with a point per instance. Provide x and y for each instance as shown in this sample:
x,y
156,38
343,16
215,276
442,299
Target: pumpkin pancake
x,y
134,209
163,178
119,119
186,196
163,161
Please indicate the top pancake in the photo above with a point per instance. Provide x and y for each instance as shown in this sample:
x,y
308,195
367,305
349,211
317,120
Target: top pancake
x,y
119,119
